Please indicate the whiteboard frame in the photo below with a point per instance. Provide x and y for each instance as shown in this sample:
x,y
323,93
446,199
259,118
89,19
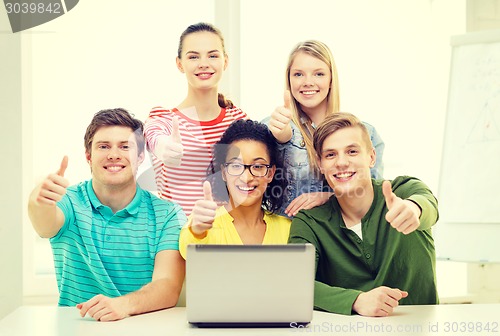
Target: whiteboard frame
x,y
466,242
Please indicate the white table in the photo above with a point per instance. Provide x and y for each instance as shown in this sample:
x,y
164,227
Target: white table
x,y
468,319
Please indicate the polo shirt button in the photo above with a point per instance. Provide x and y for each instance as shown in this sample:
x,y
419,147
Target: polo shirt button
x,y
368,256
108,238
358,241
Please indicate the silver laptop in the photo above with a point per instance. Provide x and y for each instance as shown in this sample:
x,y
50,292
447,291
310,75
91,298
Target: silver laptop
x,y
250,285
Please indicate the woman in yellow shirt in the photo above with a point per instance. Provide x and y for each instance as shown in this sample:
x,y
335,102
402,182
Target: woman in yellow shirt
x,y
247,175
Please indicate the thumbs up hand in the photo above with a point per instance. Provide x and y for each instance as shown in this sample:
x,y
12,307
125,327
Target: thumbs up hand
x,y
279,124
53,188
403,215
203,214
169,149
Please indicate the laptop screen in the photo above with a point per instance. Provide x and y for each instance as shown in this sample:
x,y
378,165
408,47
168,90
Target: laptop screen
x,y
250,284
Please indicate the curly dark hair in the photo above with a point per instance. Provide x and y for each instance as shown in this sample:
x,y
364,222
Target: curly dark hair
x,y
256,131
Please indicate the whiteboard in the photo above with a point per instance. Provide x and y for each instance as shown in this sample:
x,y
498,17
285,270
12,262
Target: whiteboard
x,y
469,183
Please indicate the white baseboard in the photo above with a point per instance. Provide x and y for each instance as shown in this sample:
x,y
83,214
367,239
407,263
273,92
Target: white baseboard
x,y
41,300
456,299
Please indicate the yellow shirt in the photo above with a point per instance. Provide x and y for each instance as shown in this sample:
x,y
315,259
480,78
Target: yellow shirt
x,y
223,231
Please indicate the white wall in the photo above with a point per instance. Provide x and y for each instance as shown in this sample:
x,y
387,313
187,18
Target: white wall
x,y
10,195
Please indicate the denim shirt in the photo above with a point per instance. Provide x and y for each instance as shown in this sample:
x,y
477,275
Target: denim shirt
x,y
299,175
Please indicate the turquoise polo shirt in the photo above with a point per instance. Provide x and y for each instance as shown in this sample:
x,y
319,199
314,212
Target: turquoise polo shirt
x,y
97,251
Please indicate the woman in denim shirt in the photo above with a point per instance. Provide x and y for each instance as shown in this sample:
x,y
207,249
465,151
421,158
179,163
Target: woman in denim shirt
x,y
312,93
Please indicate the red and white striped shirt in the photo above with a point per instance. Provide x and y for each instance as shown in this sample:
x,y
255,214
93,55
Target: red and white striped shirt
x,y
183,184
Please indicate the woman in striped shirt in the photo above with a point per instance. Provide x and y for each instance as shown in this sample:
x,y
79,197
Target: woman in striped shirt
x,y
181,138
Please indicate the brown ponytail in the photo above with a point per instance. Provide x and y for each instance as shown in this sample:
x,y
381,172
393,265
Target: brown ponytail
x,y
223,102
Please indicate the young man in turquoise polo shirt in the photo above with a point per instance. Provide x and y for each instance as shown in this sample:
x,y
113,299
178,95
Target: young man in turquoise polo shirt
x,y
115,245
374,247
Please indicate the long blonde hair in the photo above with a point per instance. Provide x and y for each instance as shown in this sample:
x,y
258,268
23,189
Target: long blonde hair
x,y
320,51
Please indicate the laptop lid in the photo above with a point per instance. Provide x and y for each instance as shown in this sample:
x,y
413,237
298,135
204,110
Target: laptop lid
x,y
249,285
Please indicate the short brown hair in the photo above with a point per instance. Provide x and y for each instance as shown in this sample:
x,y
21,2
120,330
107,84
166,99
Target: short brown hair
x,y
335,122
114,117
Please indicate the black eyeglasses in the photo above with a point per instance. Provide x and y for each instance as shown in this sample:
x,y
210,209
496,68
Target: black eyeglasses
x,y
256,169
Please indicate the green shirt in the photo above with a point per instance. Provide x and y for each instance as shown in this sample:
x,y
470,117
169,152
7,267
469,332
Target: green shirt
x,y
347,265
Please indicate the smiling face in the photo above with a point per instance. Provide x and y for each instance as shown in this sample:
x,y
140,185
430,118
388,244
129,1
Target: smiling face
x,y
345,160
310,81
246,189
202,59
114,157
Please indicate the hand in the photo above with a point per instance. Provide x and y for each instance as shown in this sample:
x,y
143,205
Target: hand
x,y
203,212
103,308
379,301
53,188
169,149
279,124
403,215
307,201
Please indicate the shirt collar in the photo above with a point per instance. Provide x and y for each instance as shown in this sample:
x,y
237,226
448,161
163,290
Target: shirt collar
x,y
132,208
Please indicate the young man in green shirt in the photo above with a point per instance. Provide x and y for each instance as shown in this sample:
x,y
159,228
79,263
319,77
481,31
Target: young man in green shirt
x,y
374,247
